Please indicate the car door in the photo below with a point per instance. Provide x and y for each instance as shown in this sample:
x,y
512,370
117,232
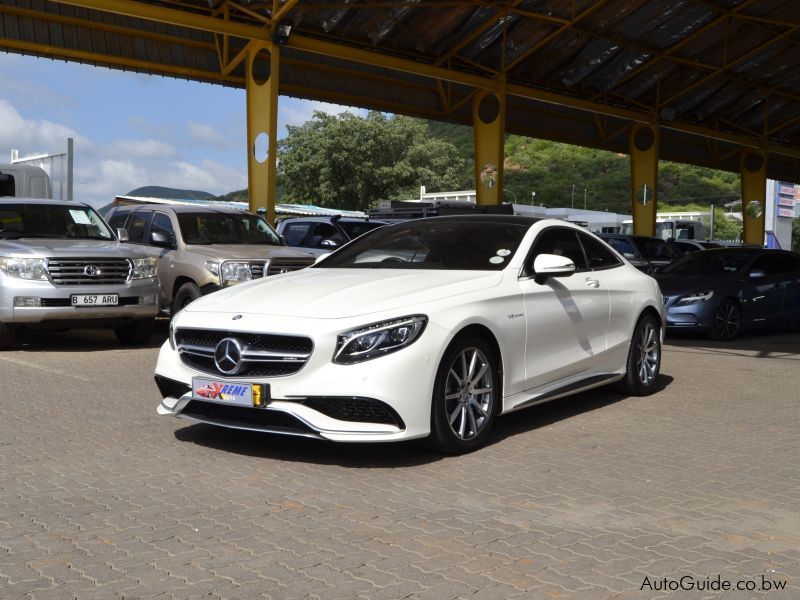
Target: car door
x,y
763,288
566,317
162,223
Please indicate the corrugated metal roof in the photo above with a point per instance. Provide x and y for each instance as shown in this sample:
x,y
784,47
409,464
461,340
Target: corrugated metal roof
x,y
729,67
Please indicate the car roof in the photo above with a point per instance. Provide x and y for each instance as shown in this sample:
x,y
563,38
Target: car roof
x,y
18,200
183,208
509,219
328,219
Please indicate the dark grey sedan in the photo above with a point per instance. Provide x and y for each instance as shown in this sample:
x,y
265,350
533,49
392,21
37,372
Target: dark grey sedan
x,y
724,291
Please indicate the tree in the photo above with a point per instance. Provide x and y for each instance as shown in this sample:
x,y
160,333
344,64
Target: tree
x,y
351,162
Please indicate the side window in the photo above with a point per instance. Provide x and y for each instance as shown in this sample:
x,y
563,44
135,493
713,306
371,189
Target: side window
x,y
561,242
653,249
138,225
769,263
162,224
598,254
623,246
789,263
7,185
117,220
295,233
325,231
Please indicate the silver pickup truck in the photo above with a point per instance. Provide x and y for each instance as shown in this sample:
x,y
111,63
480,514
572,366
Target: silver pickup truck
x,y
61,266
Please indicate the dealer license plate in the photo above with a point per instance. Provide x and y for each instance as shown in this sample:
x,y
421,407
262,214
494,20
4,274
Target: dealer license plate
x,y
94,299
241,394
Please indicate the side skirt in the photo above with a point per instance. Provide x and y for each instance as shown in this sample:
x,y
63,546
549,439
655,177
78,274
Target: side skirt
x,y
569,389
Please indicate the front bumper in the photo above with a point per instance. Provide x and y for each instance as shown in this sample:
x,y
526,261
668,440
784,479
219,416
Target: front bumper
x,y
138,299
698,316
402,382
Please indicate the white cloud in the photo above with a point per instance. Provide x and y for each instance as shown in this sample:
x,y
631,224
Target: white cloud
x,y
205,134
105,170
297,112
32,136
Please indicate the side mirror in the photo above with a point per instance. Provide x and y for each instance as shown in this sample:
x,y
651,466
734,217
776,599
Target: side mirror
x,y
328,244
122,234
161,239
629,255
757,273
551,265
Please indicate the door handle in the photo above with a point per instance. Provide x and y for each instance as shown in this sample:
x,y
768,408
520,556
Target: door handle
x,y
593,283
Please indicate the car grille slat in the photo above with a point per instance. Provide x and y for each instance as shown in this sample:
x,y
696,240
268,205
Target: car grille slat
x,y
263,354
72,271
285,265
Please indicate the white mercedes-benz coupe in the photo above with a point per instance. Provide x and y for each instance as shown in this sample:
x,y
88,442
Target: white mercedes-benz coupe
x,y
423,329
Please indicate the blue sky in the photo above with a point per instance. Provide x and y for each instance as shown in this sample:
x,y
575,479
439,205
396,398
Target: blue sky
x,y
131,130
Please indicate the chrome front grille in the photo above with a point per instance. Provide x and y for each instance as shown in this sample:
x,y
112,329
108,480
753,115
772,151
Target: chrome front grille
x,y
285,265
257,269
262,354
88,271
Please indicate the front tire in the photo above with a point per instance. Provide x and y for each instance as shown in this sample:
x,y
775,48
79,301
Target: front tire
x,y
466,396
137,334
727,321
644,358
185,295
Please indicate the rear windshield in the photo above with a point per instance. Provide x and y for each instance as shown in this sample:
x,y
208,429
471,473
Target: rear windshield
x,y
710,262
433,244
207,228
19,221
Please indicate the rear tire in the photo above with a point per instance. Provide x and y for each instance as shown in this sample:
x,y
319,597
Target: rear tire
x,y
644,358
727,321
7,336
185,295
137,334
466,396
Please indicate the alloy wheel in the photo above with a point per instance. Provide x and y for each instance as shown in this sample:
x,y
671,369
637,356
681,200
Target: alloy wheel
x,y
727,321
648,354
469,394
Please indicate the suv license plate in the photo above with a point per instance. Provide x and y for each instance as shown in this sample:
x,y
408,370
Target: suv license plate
x,y
94,299
241,394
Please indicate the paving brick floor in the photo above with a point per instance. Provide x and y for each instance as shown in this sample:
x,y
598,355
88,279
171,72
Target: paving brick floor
x,y
588,497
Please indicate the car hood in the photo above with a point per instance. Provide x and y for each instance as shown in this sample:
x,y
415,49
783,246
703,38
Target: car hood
x,y
675,285
251,251
341,293
43,248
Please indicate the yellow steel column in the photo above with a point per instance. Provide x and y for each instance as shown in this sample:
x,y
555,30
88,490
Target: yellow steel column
x,y
262,125
644,177
489,124
753,169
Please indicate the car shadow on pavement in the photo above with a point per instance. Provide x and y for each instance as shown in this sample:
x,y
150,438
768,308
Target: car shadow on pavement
x,y
545,414
82,340
395,454
770,344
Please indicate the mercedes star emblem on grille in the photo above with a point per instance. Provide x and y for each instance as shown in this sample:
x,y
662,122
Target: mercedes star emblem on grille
x,y
91,270
228,356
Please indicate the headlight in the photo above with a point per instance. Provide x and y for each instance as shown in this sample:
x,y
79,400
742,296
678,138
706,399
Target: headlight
x,y
235,271
377,339
143,268
695,298
24,268
230,271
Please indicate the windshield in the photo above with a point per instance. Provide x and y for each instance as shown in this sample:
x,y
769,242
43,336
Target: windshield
x,y
709,262
79,222
653,249
226,228
433,244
